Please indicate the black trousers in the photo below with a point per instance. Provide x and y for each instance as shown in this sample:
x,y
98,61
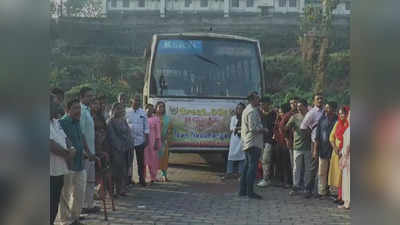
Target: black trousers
x,y
139,150
129,163
56,185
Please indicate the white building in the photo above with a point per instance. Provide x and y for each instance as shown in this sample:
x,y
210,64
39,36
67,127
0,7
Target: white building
x,y
225,7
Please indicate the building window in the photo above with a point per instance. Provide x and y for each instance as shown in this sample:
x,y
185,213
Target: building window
x,y
204,3
188,3
235,3
141,3
125,3
250,3
282,3
348,5
114,3
293,3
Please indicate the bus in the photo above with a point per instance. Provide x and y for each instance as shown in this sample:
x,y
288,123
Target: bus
x,y
201,77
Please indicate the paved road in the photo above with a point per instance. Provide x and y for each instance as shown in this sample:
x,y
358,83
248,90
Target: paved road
x,y
197,196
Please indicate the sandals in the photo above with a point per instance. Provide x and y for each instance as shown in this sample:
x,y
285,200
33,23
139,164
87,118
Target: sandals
x,y
343,207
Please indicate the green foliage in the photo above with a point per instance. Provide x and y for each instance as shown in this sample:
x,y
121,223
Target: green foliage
x,y
107,74
285,77
102,86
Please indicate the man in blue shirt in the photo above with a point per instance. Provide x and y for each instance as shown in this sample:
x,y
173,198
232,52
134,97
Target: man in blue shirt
x,y
87,127
322,147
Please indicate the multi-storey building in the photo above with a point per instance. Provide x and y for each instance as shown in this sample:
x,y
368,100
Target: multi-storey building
x,y
221,7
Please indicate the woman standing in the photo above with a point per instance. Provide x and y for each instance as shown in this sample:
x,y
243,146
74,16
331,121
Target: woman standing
x,y
151,150
336,139
166,130
100,131
120,140
235,146
345,166
281,157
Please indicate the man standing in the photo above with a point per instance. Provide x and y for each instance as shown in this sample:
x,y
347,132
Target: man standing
x,y
123,99
309,125
73,193
252,140
87,127
58,156
322,147
59,100
301,148
137,121
268,118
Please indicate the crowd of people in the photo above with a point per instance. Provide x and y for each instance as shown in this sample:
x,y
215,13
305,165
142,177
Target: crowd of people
x,y
305,149
87,141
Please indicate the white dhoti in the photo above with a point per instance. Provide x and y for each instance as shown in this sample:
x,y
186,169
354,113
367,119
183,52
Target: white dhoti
x,y
72,197
90,184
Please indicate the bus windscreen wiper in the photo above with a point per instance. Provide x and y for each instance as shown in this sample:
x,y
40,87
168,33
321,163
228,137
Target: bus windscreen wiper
x,y
200,56
206,59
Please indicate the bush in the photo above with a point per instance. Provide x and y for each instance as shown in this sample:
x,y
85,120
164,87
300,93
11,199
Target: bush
x,y
107,75
103,86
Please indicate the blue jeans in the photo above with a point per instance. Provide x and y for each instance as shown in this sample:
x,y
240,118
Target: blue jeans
x,y
229,166
248,176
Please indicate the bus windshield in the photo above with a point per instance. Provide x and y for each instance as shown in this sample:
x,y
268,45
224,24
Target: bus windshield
x,y
205,68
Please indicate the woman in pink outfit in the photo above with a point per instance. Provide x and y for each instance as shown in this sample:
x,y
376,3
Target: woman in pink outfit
x,y
151,151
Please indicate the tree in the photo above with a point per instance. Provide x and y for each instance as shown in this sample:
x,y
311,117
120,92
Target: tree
x,y
315,27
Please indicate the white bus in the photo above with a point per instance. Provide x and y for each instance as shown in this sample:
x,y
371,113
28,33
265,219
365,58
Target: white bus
x,y
201,77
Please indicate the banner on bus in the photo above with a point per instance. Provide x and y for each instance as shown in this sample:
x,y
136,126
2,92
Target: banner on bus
x,y
200,124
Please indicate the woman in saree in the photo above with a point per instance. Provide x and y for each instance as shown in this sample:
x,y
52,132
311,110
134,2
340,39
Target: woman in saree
x,y
336,139
101,141
120,139
166,130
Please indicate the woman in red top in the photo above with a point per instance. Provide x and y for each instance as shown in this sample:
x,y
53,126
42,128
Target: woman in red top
x,y
282,157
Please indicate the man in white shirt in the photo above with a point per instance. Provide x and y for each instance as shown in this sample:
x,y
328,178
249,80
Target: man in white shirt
x,y
252,139
138,124
58,156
